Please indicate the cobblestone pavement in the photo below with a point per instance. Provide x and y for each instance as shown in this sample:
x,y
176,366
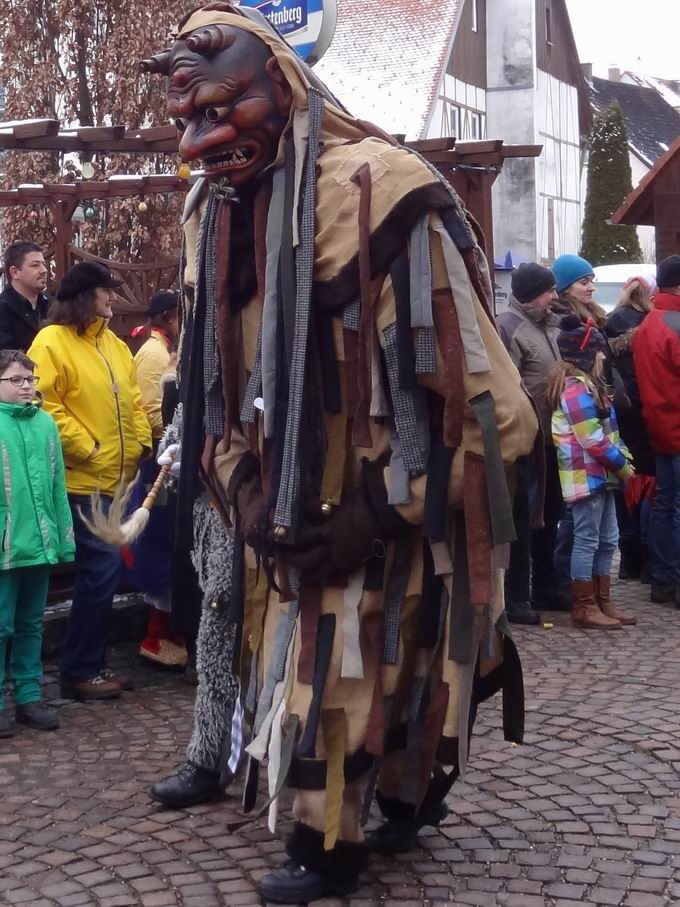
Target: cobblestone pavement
x,y
586,812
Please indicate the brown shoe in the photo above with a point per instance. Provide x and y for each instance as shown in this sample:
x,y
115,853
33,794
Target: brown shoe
x,y
585,612
123,680
95,688
601,585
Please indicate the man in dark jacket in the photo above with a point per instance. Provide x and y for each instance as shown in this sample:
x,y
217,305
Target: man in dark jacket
x,y
529,331
656,354
23,303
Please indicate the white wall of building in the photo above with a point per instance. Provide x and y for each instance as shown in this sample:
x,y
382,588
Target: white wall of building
x,y
510,103
460,111
558,169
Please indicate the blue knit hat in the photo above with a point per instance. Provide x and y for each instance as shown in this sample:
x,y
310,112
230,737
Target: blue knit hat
x,y
570,268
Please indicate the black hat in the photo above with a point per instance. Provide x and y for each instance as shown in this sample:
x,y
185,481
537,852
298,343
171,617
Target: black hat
x,y
530,280
161,302
86,275
579,343
668,272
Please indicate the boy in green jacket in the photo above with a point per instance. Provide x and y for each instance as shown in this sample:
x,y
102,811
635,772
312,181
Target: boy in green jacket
x,y
35,531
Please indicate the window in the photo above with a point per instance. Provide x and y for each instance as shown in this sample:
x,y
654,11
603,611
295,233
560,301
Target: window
x,y
474,19
548,25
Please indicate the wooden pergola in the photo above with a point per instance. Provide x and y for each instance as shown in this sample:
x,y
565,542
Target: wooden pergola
x,y
471,166
656,201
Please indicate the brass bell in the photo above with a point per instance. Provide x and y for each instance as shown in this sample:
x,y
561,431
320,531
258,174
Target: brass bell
x,y
215,605
327,508
280,533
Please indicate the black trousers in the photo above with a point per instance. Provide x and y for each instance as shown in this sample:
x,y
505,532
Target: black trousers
x,y
531,576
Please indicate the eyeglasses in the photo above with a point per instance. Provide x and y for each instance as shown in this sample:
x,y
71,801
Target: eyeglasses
x,y
19,380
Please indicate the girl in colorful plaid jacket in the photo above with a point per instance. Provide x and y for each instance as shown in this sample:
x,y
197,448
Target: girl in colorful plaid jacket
x,y
593,461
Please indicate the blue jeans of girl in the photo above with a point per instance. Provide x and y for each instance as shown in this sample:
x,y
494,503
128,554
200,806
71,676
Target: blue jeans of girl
x,y
596,535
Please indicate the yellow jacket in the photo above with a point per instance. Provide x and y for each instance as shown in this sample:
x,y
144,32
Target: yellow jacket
x,y
89,386
151,362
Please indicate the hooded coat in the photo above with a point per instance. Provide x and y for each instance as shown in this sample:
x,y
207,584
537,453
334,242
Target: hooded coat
x,y
405,366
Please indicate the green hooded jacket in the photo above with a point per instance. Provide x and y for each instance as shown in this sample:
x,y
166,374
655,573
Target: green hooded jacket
x,y
35,518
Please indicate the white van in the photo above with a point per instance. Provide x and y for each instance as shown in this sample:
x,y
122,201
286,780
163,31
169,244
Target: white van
x,y
610,280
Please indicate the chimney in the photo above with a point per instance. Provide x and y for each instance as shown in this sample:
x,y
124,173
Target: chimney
x,y
587,69
614,74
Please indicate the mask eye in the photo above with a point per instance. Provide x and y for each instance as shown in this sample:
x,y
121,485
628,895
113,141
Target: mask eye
x,y
180,124
213,114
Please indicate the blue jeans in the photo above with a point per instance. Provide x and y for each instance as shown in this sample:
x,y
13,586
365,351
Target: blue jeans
x,y
664,524
98,568
596,535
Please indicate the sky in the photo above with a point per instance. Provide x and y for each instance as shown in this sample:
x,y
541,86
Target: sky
x,y
641,35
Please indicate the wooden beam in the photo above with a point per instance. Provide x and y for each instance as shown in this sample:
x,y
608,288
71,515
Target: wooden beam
x,y
28,129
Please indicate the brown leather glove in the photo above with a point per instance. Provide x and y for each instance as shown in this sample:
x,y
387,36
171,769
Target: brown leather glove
x,y
356,532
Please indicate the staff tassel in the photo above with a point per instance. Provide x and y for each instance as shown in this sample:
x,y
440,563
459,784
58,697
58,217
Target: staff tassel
x,y
111,527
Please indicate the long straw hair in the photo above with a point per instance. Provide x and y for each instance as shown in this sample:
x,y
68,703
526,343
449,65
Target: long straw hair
x,y
557,379
636,295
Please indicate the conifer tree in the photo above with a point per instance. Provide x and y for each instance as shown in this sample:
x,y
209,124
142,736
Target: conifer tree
x,y
609,181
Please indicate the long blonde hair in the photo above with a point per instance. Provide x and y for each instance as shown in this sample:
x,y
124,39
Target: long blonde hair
x,y
635,295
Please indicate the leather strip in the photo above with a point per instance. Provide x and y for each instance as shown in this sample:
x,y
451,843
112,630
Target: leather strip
x,y
451,348
225,333
375,735
478,528
500,503
461,622
361,430
352,663
269,310
334,729
310,611
435,521
324,648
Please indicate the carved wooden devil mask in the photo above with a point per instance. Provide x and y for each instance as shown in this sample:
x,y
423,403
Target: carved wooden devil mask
x,y
228,98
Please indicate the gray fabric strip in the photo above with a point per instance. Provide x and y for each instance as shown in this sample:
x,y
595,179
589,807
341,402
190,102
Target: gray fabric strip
x,y
379,405
213,418
399,491
461,619
394,598
426,351
351,316
281,636
268,353
475,352
279,655
500,505
289,486
421,275
410,411
300,139
254,386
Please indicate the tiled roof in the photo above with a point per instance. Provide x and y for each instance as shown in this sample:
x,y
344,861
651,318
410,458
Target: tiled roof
x,y
387,59
651,123
669,89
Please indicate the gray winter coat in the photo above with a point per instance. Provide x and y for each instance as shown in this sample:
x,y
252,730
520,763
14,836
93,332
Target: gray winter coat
x,y
530,337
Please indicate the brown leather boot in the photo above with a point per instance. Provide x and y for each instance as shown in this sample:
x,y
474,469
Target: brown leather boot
x,y
585,612
601,585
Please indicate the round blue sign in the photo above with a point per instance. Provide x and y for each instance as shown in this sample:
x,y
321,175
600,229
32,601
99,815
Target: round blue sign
x,y
307,25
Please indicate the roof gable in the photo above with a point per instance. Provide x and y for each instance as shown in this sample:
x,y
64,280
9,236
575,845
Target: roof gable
x,y
652,124
387,60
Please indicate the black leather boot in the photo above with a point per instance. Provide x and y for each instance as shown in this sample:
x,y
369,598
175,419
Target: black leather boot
x,y
400,835
522,613
37,715
6,724
295,884
189,787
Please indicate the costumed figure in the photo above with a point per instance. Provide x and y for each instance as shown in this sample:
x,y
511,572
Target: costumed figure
x,y
351,409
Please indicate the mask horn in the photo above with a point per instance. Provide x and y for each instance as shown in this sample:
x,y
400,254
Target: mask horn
x,y
158,64
211,40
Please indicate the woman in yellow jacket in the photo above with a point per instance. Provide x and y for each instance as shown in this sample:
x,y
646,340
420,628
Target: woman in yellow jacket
x,y
87,378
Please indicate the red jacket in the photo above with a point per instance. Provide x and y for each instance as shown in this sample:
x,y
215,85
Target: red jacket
x,y
656,354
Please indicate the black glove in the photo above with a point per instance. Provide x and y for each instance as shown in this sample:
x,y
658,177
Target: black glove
x,y
356,532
